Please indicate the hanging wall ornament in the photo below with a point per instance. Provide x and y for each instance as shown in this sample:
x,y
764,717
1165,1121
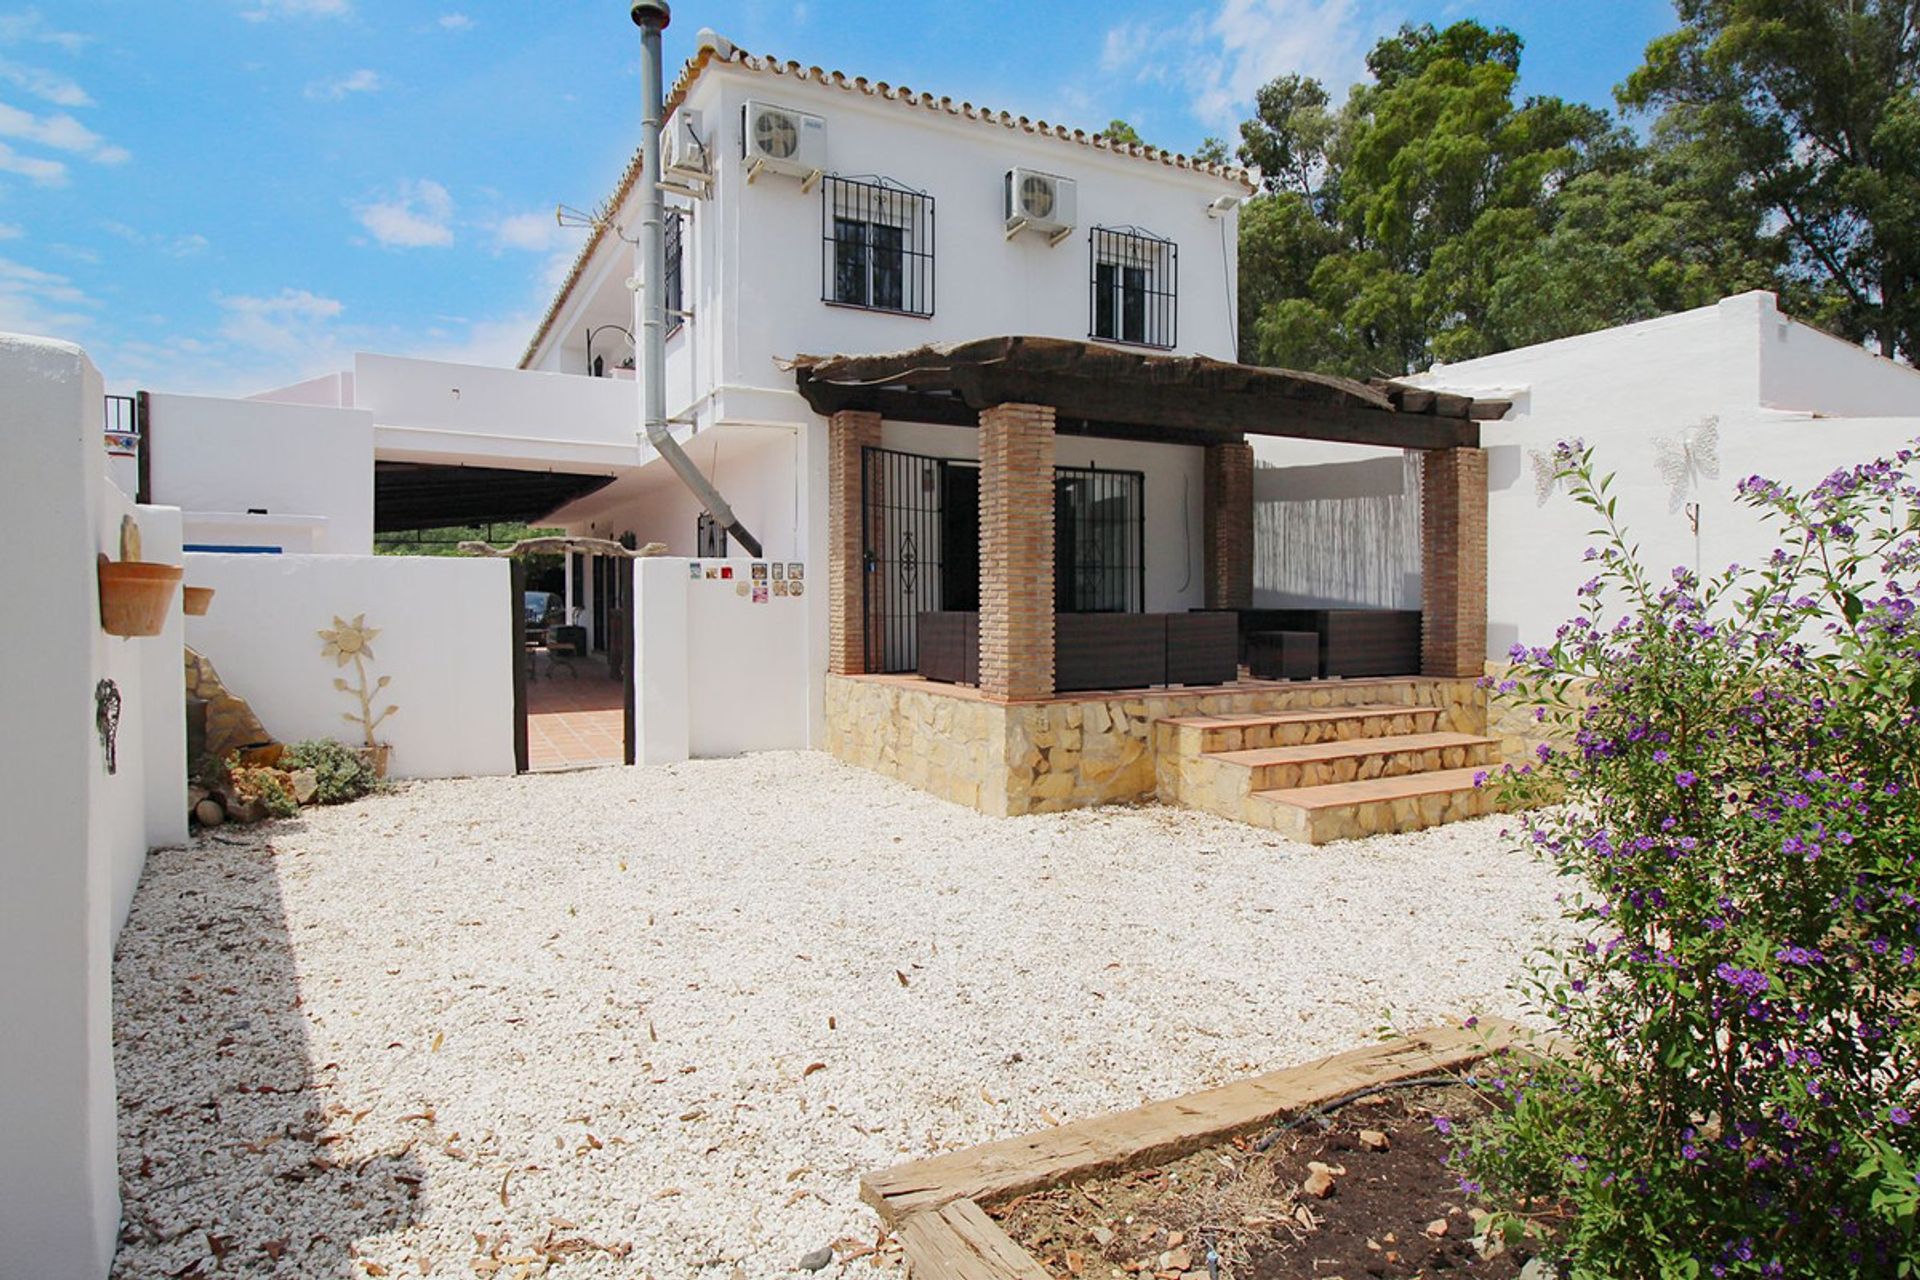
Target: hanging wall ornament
x,y
106,717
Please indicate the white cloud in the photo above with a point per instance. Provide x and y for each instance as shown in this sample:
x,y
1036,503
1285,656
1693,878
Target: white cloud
x,y
419,217
534,232
61,132
298,9
361,81
1223,62
40,302
289,323
28,27
47,173
48,86
455,21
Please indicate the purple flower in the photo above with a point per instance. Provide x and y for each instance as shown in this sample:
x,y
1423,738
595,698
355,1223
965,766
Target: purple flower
x,y
1900,1115
1685,778
1444,1125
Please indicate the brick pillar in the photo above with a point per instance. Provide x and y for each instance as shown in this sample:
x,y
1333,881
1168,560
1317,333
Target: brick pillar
x,y
1227,495
1453,562
1016,551
848,432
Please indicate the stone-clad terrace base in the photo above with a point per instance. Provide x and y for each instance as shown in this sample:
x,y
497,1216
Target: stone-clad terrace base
x,y
1074,751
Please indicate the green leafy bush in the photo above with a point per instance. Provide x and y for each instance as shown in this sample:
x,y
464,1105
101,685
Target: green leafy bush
x,y
1737,776
342,772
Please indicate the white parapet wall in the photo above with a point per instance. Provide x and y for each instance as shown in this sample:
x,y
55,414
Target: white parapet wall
x,y
445,644
722,661
306,471
77,834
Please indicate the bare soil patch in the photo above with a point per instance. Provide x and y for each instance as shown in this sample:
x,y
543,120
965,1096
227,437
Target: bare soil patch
x,y
1393,1207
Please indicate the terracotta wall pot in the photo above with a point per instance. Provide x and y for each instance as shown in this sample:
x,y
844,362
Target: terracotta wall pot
x,y
195,600
135,597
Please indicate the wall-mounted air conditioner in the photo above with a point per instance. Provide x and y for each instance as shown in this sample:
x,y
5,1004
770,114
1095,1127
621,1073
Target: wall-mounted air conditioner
x,y
782,140
685,149
1042,202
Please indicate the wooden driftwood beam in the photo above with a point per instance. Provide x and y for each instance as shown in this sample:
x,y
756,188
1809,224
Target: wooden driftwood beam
x,y
541,546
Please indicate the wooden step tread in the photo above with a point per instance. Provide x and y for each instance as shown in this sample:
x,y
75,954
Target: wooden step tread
x,y
1371,791
1314,715
1313,752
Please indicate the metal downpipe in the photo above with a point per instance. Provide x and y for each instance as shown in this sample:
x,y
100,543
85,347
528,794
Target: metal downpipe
x,y
651,16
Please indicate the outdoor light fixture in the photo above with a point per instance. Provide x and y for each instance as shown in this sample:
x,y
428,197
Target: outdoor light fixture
x,y
1223,206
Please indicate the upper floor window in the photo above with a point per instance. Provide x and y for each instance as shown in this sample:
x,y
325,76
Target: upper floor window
x,y
877,249
1134,286
676,260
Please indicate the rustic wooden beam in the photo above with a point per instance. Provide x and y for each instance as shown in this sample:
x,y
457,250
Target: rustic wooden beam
x,y
959,1241
1489,410
1164,1131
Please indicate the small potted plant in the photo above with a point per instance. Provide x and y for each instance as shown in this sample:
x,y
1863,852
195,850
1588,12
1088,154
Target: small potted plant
x,y
352,642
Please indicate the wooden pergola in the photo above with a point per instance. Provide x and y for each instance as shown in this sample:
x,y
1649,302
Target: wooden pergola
x,y
1022,391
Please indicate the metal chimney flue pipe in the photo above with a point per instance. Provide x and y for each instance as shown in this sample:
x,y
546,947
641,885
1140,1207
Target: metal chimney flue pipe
x,y
652,16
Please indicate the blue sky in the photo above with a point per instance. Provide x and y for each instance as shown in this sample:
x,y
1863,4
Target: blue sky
x,y
224,195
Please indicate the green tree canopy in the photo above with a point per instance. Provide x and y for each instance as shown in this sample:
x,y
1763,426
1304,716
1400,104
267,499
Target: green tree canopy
x,y
1813,105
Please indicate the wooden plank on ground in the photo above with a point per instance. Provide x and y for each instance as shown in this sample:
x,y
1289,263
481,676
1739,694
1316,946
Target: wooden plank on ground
x,y
957,1241
1162,1131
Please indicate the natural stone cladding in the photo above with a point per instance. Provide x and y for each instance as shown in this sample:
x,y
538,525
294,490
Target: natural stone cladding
x,y
1010,758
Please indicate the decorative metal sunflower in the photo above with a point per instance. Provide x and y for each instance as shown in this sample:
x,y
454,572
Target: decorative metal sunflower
x,y
352,642
348,640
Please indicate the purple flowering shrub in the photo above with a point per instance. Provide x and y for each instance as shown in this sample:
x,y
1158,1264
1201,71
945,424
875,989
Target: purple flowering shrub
x,y
1735,796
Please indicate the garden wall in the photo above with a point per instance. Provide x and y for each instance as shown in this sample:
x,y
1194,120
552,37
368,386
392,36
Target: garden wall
x,y
445,639
77,835
720,669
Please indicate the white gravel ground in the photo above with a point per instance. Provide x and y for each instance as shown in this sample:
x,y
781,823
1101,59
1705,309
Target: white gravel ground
x,y
656,1022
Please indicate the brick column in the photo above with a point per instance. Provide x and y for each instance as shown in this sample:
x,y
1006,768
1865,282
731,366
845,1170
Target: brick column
x,y
1227,496
848,432
1016,551
1453,562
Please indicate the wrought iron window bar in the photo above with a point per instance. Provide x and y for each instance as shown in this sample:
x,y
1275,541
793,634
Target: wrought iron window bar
x,y
1100,533
876,246
676,271
1133,287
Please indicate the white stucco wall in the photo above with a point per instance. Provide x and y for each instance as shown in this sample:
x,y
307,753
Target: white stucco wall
x,y
77,836
444,639
717,674
233,456
1792,404
436,411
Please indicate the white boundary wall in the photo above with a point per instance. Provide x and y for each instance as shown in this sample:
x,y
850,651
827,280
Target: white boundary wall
x,y
77,836
289,460
444,638
715,673
1793,404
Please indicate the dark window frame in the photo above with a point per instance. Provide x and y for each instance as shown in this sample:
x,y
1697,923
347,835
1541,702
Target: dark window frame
x,y
877,246
674,239
1133,288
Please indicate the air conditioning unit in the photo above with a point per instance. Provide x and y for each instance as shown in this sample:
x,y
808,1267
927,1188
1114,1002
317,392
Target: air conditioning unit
x,y
685,148
782,140
1042,202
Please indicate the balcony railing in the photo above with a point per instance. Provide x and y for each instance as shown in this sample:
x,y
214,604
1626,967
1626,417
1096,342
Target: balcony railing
x,y
122,424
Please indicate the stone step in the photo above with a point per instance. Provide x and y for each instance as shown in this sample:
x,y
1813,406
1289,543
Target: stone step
x,y
1206,735
1346,810
1359,759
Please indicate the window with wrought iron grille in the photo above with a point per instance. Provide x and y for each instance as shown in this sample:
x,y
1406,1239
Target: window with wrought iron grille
x,y
1134,287
877,245
709,537
675,273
